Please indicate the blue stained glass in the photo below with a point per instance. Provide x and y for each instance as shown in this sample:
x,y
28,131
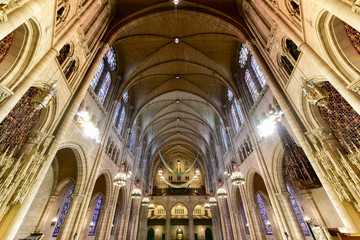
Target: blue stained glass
x,y
243,56
224,138
251,85
126,96
96,216
230,95
104,88
298,212
121,120
245,219
117,111
132,139
258,72
264,215
235,119
63,213
97,75
111,58
238,108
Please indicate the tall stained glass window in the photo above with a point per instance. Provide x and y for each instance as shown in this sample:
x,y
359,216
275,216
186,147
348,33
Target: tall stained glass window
x,y
235,118
104,88
264,215
225,139
229,95
97,75
258,72
245,219
251,85
243,56
126,96
5,45
354,36
297,212
121,120
111,58
63,213
96,216
132,139
238,109
116,115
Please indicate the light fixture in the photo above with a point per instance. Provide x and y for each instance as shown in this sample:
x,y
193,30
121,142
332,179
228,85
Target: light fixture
x,y
129,174
145,201
136,193
266,127
237,178
120,179
221,192
43,98
88,127
268,223
196,178
53,221
177,101
151,207
162,178
176,2
178,119
212,201
207,206
92,224
197,171
160,172
177,76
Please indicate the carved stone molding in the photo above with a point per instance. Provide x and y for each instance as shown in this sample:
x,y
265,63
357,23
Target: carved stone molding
x,y
355,85
355,5
8,6
5,92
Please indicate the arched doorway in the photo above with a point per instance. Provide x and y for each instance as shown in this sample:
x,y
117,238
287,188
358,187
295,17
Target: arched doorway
x,y
208,234
151,234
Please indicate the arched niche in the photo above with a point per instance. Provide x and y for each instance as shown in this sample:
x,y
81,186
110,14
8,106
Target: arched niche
x,y
20,55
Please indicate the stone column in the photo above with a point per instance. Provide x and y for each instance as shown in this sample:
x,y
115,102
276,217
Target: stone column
x,y
168,227
317,214
225,219
216,224
299,134
296,232
46,212
142,232
191,226
133,222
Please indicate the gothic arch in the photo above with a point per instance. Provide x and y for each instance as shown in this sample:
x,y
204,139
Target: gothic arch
x,y
108,185
21,55
277,168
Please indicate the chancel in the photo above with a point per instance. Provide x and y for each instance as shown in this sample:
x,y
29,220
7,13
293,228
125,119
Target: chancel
x,y
180,119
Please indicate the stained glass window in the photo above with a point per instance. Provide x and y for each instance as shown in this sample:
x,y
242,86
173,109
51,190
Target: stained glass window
x,y
258,72
235,118
114,219
230,95
245,219
97,75
251,85
104,88
264,215
225,139
297,212
238,108
111,58
132,139
63,213
96,216
16,126
121,120
5,45
116,115
354,36
243,56
343,120
126,96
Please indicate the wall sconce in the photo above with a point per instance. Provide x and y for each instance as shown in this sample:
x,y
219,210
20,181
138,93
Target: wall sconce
x,y
53,221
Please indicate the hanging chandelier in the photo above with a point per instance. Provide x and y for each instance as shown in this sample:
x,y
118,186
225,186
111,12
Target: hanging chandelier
x,y
151,207
212,201
120,179
136,193
43,98
207,206
145,201
315,94
237,178
221,192
160,172
197,171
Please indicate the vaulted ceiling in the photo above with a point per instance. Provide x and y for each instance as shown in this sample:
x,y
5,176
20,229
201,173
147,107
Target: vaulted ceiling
x,y
178,90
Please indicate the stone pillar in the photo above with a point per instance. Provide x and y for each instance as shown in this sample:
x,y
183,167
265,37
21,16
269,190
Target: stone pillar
x,y
216,222
133,221
142,232
191,225
168,227
225,219
315,210
46,212
293,222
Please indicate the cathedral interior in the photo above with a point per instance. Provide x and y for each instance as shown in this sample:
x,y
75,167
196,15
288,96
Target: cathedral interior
x,y
180,119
